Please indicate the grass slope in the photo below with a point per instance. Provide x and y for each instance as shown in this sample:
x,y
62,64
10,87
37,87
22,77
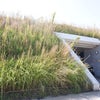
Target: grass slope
x,y
33,58
91,32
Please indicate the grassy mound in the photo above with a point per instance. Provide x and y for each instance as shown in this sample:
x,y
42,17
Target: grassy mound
x,y
32,58
91,32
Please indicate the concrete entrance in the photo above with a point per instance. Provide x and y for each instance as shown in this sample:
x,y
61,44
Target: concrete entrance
x,y
87,53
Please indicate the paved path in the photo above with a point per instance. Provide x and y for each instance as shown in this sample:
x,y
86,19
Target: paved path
x,y
82,96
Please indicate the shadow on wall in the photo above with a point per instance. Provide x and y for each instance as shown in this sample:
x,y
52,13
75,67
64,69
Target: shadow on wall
x,y
91,57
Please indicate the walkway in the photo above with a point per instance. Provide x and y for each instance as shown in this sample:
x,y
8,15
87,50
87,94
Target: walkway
x,y
82,96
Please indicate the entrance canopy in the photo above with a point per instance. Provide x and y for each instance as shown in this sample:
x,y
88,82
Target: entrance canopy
x,y
82,41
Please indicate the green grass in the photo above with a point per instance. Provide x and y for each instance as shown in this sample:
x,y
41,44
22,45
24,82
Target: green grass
x,y
33,58
71,29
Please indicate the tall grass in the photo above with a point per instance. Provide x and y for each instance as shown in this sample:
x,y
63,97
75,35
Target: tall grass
x,y
33,58
71,29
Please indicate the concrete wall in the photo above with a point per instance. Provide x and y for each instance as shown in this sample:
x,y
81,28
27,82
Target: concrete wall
x,y
92,57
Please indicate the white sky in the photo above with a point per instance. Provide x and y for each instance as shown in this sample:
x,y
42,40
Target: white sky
x,y
78,12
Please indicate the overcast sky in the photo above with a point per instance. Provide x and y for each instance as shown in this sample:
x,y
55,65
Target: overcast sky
x,y
78,12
